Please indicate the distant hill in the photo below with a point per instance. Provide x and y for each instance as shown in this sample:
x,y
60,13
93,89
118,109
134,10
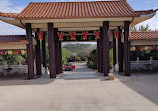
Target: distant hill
x,y
76,48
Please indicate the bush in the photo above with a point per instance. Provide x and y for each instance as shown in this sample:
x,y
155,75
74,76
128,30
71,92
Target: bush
x,y
93,59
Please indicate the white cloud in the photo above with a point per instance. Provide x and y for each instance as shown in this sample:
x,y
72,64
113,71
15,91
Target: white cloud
x,y
7,29
153,23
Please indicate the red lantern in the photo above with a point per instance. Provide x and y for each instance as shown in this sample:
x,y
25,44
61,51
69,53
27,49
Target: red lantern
x,y
2,53
116,34
97,33
153,48
40,36
17,52
139,48
60,35
84,35
72,35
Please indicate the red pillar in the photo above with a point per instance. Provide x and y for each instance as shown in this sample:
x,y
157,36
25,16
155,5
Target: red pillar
x,y
60,57
44,59
98,55
38,54
101,50
106,47
57,51
127,48
120,51
30,57
114,50
51,46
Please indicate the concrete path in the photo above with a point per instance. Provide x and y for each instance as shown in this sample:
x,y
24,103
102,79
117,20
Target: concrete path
x,y
78,90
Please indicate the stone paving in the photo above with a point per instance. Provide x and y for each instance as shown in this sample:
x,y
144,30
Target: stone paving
x,y
80,90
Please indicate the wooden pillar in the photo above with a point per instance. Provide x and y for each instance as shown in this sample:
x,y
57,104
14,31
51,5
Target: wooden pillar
x,y
114,50
44,58
106,47
38,54
98,55
51,46
120,51
30,57
60,57
101,50
57,51
127,48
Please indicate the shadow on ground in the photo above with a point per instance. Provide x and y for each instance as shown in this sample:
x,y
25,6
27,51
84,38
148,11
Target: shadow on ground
x,y
81,72
146,84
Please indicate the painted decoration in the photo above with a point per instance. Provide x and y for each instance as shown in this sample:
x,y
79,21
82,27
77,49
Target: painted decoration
x,y
23,52
10,52
116,34
60,35
97,33
40,36
72,35
133,48
146,48
139,48
153,48
2,53
84,35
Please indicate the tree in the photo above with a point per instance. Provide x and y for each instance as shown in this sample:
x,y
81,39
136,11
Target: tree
x,y
141,28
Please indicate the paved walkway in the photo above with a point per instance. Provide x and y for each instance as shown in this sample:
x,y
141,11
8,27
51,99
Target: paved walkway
x,y
78,90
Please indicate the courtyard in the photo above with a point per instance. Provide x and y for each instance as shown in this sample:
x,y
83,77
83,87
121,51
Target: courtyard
x,y
81,90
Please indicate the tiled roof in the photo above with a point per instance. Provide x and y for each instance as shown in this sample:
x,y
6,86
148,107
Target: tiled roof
x,y
144,35
143,12
9,14
12,39
93,9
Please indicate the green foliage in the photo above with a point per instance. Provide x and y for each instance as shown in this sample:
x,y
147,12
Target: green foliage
x,y
12,59
78,58
144,55
111,58
75,48
93,58
65,55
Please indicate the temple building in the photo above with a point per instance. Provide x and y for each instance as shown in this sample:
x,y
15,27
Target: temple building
x,y
56,22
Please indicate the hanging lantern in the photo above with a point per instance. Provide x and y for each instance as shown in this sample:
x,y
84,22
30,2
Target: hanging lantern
x,y
139,48
84,35
60,35
133,48
16,52
40,36
2,53
116,34
72,35
153,48
19,52
97,33
10,52
23,52
146,48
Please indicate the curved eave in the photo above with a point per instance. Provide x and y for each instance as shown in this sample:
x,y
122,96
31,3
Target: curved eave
x,y
12,21
142,18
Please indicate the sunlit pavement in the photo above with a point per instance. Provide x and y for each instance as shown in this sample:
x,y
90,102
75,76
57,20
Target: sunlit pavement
x,y
80,90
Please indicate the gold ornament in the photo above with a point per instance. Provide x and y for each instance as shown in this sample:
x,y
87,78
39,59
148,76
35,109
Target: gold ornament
x,y
10,52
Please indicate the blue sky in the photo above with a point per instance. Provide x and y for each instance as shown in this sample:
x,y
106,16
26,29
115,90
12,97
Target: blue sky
x,y
18,5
